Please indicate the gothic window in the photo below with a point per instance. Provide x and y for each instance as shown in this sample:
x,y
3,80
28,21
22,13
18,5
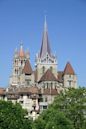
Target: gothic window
x,y
43,69
45,99
15,71
28,81
28,96
47,85
21,62
51,85
51,69
70,83
15,61
47,58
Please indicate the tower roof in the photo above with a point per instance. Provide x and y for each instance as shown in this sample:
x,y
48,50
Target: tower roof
x,y
21,51
27,68
68,69
48,76
45,47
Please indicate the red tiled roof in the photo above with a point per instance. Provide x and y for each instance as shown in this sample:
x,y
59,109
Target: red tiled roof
x,y
2,91
27,68
48,76
68,69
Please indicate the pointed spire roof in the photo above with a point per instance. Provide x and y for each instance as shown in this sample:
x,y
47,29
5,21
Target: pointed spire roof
x,y
45,47
48,76
21,51
27,68
68,69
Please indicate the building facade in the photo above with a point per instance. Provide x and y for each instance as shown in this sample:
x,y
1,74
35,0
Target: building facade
x,y
36,89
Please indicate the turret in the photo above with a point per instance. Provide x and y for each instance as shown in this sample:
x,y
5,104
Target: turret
x,y
69,76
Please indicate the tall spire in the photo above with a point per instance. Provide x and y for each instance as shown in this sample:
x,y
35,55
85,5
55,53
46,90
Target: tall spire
x,y
45,47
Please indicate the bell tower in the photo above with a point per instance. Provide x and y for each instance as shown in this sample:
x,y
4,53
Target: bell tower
x,y
19,60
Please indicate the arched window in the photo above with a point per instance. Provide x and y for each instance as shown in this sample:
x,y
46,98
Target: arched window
x,y
51,68
43,69
15,61
47,85
15,71
51,85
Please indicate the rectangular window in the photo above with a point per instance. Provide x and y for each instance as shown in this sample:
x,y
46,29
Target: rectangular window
x,y
44,107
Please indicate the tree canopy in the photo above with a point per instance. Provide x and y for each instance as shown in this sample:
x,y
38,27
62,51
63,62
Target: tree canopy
x,y
52,119
12,116
73,104
68,111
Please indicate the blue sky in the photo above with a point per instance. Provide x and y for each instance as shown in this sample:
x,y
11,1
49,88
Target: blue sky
x,y
22,20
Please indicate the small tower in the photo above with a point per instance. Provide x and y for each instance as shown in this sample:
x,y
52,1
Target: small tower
x,y
69,77
45,59
19,60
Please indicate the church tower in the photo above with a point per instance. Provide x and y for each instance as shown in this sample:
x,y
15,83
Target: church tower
x,y
45,59
20,57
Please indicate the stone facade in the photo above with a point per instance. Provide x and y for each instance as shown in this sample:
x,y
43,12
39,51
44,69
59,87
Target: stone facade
x,y
36,89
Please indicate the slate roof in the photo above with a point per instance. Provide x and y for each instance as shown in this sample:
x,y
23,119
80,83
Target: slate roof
x,y
45,47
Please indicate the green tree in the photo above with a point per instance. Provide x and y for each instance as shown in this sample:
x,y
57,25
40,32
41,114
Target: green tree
x,y
52,119
73,104
12,116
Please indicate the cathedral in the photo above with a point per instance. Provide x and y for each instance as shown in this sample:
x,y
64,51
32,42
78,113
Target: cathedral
x,y
36,89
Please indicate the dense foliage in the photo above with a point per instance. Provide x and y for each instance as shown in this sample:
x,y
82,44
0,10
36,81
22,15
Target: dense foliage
x,y
68,111
12,116
73,105
52,119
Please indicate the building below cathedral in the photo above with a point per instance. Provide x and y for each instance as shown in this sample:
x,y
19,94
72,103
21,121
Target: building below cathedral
x,y
36,89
